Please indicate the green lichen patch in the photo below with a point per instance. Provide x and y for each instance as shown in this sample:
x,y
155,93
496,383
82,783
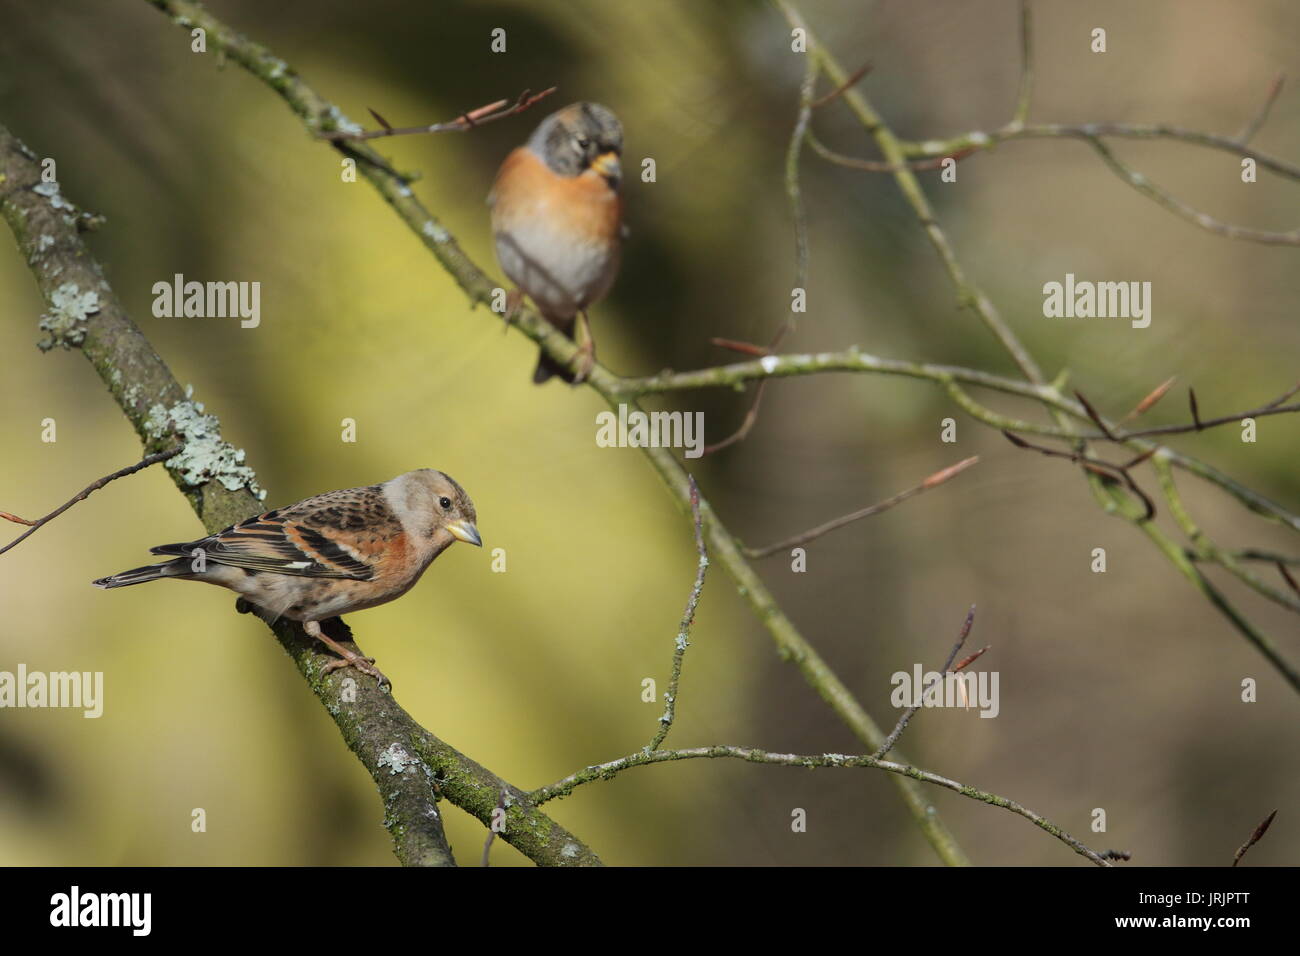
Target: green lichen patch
x,y
51,192
336,120
396,759
66,320
204,456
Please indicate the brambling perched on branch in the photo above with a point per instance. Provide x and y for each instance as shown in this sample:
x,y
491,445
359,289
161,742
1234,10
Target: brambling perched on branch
x,y
557,223
339,552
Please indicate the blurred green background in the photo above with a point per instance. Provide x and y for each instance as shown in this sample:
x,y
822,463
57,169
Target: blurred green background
x,y
1119,690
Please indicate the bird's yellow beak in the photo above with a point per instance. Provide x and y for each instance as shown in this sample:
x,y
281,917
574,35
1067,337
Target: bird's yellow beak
x,y
607,165
464,531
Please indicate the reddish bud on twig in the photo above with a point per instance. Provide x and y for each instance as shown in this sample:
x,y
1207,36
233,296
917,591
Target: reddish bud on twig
x,y
744,348
1254,837
1092,413
970,659
1154,396
939,477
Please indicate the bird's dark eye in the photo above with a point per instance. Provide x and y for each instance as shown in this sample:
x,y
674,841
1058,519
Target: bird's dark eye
x,y
583,143
445,503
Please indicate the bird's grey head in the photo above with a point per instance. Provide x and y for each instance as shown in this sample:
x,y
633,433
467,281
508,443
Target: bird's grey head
x,y
579,137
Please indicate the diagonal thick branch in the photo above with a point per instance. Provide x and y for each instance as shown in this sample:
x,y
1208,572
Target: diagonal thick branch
x,y
411,766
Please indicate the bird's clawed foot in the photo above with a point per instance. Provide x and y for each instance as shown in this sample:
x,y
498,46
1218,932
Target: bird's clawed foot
x,y
346,657
585,360
514,299
364,664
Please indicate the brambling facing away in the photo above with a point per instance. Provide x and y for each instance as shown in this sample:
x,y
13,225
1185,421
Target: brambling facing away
x,y
557,222
339,552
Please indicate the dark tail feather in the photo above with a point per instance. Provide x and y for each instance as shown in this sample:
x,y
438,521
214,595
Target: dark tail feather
x,y
150,572
185,548
548,368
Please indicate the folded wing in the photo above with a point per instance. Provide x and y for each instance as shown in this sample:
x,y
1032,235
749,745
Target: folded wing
x,y
284,544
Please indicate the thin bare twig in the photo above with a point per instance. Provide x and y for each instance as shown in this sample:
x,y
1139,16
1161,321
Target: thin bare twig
x,y
1198,424
880,166
1135,461
1175,205
34,526
795,196
1250,129
1286,576
794,192
1026,84
642,758
492,832
751,417
1254,837
989,139
839,91
1254,554
903,721
1276,403
1102,469
684,631
465,121
938,478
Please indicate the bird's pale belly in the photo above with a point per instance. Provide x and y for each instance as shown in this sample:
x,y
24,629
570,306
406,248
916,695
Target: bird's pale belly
x,y
307,598
562,276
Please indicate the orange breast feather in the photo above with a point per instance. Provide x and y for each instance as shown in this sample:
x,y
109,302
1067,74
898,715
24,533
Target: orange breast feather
x,y
583,206
392,556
